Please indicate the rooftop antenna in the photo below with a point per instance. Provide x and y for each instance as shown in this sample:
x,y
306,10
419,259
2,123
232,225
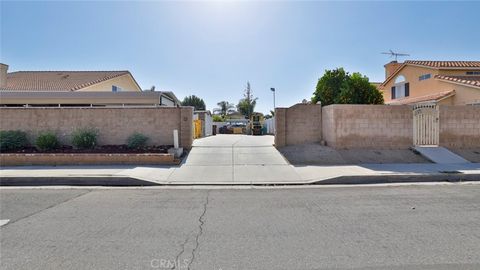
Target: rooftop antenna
x,y
394,54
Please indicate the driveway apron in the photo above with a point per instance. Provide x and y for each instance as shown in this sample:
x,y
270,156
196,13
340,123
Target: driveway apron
x,y
234,158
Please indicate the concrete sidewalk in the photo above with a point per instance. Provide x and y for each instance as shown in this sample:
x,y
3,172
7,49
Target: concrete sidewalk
x,y
236,160
247,175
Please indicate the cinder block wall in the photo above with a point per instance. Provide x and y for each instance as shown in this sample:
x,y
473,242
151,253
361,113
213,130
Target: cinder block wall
x,y
460,126
299,124
114,124
372,126
368,126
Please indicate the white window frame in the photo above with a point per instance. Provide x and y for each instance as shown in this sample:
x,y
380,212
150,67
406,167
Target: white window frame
x,y
399,85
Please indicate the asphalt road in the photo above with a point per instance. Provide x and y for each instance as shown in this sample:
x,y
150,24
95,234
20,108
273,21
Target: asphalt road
x,y
403,227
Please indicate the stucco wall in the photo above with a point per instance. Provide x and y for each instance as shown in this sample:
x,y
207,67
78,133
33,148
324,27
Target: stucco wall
x,y
417,87
299,124
114,124
125,82
367,126
464,95
460,126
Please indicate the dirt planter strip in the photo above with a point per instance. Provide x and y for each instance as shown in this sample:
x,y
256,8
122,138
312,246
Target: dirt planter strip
x,y
18,159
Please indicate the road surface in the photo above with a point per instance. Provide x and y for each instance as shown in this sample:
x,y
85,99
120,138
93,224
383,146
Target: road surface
x,y
390,227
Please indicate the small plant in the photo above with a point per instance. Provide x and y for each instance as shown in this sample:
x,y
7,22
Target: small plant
x,y
47,141
84,138
137,141
12,140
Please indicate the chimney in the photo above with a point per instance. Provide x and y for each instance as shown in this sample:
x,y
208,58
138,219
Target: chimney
x,y
3,75
390,68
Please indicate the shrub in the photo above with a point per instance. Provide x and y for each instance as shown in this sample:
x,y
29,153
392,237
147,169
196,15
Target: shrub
x,y
47,141
137,141
84,138
217,118
12,140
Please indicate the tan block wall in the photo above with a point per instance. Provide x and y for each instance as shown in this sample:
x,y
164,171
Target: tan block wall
x,y
460,126
280,131
115,125
85,159
367,126
372,126
328,125
299,124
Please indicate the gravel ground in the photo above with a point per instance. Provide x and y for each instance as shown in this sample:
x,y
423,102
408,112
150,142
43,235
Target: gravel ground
x,y
316,154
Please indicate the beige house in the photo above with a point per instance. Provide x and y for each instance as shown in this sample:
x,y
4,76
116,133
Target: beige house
x,y
439,82
76,88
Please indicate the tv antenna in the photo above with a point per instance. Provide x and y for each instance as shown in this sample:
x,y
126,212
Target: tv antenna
x,y
394,54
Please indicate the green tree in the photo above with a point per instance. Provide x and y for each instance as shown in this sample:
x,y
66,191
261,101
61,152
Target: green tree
x,y
246,105
217,118
195,102
359,90
224,108
339,87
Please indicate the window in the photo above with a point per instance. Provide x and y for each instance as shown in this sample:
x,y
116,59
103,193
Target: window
x,y
400,79
401,88
473,72
116,88
424,77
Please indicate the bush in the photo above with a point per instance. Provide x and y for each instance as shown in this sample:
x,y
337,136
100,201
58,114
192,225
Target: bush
x,y
47,141
137,141
217,118
12,140
84,138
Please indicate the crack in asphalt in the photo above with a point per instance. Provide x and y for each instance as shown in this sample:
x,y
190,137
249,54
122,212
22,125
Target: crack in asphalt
x,y
201,222
177,258
200,229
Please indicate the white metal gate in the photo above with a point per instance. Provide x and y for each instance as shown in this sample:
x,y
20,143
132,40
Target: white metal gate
x,y
425,124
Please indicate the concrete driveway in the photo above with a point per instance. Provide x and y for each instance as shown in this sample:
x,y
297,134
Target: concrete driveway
x,y
234,159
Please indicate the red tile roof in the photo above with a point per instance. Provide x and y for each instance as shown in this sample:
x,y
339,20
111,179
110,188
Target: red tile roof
x,y
434,64
466,80
428,98
445,64
56,80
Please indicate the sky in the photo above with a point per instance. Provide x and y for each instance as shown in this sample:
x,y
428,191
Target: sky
x,y
211,49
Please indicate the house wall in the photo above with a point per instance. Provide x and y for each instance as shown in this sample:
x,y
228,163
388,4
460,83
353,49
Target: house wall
x,y
456,72
125,82
460,126
464,95
114,125
299,124
417,88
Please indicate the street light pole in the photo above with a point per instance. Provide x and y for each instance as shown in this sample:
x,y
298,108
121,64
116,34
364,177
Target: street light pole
x,y
273,90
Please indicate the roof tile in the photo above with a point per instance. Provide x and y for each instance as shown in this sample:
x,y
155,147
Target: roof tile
x,y
445,64
466,80
56,80
427,98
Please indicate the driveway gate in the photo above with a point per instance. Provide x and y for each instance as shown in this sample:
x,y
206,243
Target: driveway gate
x,y
426,128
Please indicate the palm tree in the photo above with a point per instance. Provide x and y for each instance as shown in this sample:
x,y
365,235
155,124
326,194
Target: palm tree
x,y
224,108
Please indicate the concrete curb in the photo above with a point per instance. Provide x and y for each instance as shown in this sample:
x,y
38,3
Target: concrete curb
x,y
112,181
388,179
120,181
